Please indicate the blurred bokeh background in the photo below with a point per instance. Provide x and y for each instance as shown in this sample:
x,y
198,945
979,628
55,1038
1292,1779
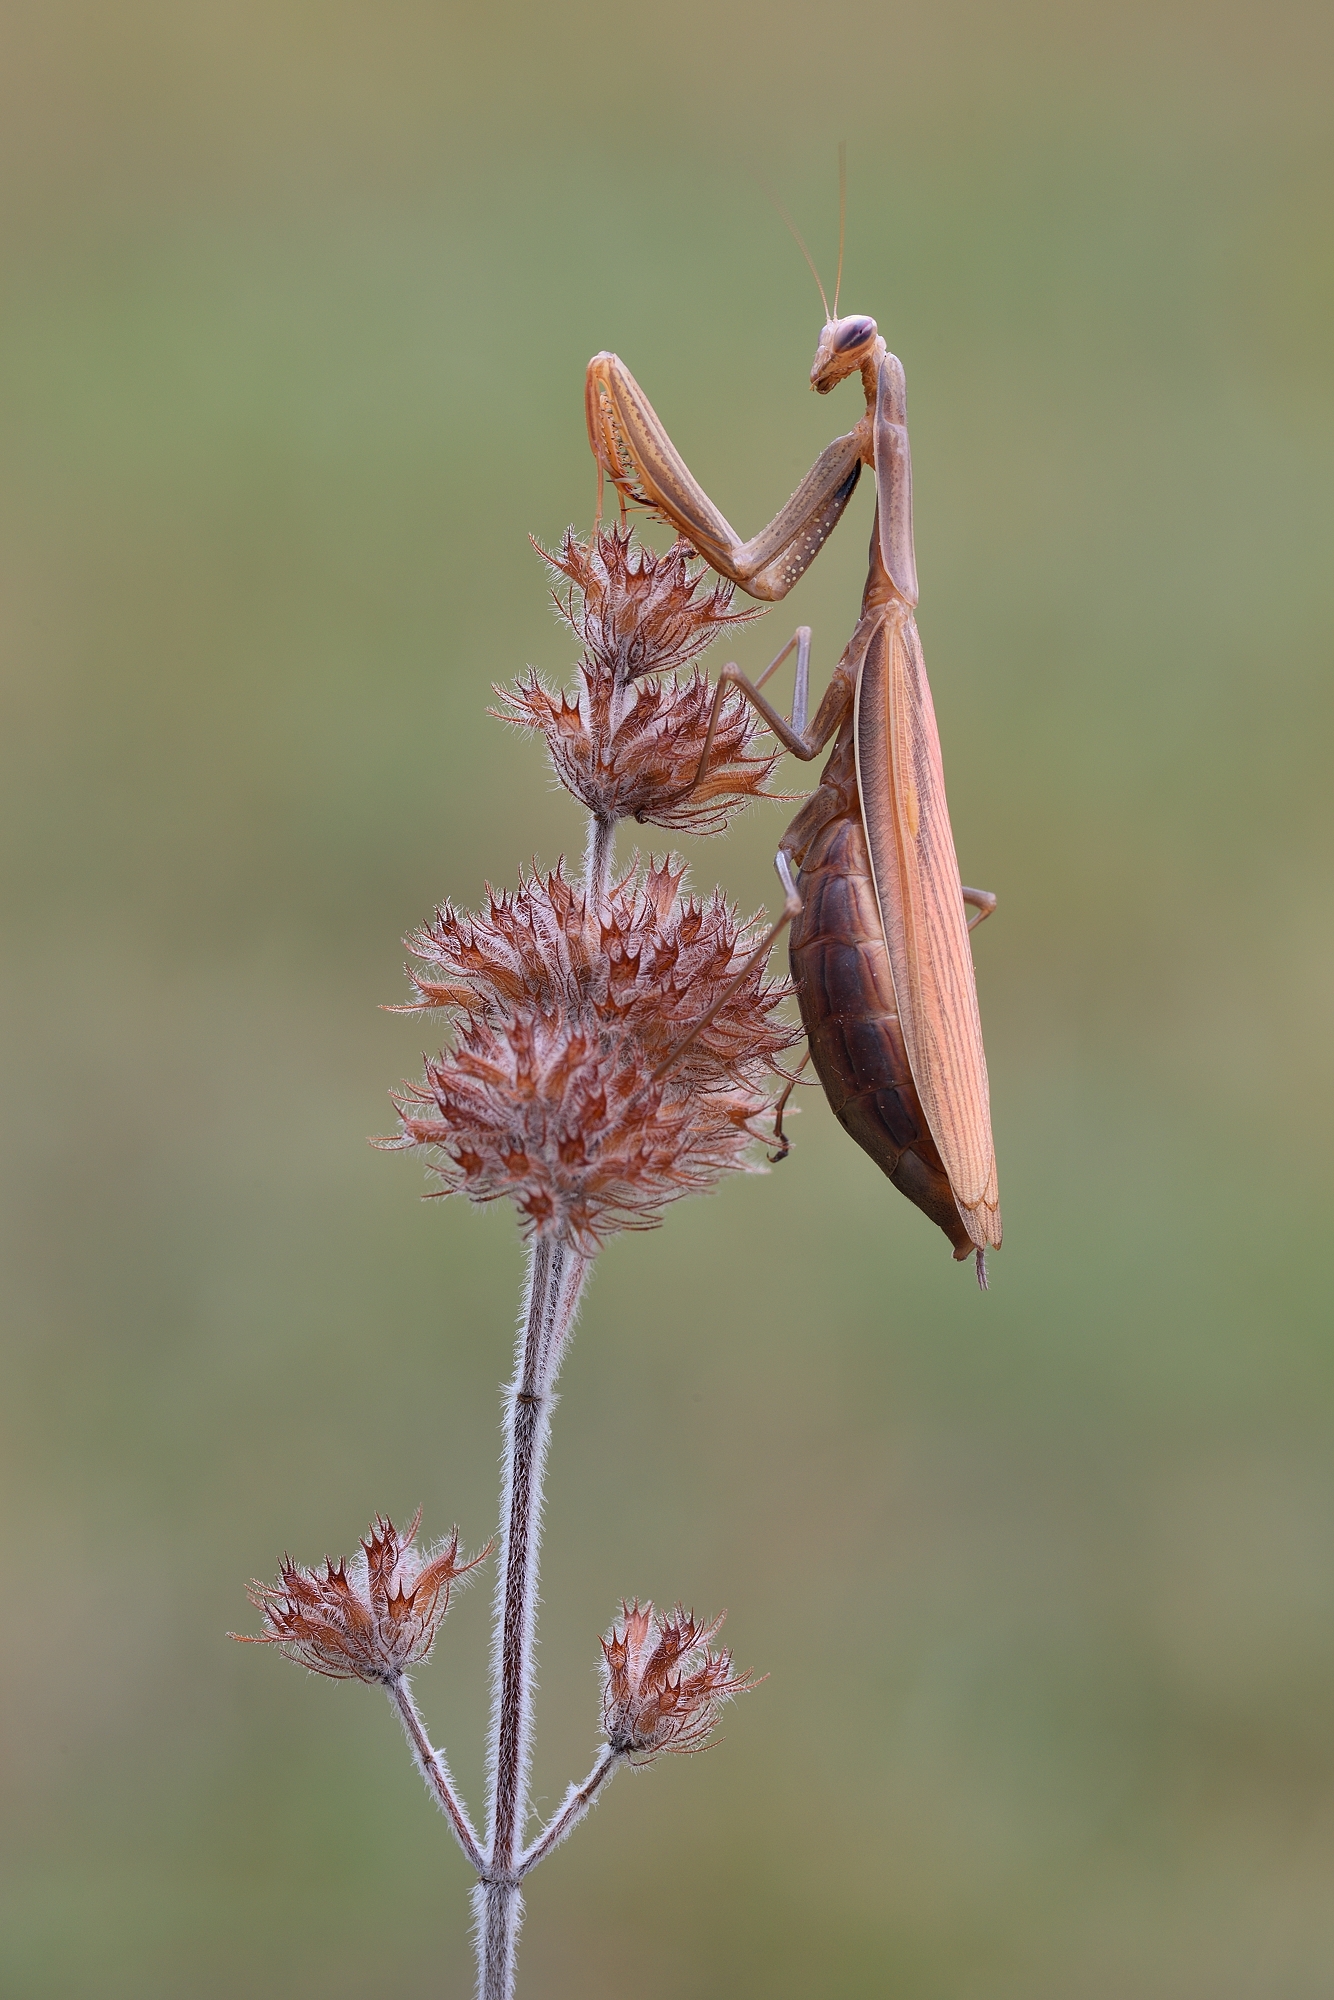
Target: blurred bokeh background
x,y
296,304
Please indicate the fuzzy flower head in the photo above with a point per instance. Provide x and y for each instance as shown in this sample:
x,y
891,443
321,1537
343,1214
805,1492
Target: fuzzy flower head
x,y
631,747
637,612
368,1619
562,1017
662,1685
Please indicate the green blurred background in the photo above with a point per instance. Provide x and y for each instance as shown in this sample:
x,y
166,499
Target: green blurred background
x,y
297,300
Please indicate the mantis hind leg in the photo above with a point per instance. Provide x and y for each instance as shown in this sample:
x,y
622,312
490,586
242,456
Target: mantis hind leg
x,y
982,901
781,1140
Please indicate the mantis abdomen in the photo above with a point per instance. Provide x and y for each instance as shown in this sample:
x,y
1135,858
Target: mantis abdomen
x,y
846,994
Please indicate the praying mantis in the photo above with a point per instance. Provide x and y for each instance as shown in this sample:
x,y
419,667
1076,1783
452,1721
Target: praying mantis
x,y
880,953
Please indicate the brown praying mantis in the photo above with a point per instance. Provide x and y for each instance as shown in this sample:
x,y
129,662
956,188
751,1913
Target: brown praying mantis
x,y
880,953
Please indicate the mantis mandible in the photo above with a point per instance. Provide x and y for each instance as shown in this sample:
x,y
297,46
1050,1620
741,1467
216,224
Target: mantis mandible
x,y
880,954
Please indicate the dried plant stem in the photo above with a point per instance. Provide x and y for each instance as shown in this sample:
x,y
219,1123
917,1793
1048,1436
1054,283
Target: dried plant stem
x,y
601,847
431,1763
556,1278
577,1802
559,1001
597,859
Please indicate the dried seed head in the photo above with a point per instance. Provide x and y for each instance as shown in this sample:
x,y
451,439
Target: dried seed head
x,y
366,1620
637,612
561,1016
662,1687
647,766
635,751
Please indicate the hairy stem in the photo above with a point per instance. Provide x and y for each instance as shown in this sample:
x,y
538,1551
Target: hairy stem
x,y
431,1763
577,1802
556,1278
601,848
597,859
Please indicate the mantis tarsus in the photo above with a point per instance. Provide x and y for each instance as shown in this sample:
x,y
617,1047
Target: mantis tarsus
x,y
879,946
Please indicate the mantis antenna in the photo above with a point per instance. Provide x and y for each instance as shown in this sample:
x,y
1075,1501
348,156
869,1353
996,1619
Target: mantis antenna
x,y
800,242
842,217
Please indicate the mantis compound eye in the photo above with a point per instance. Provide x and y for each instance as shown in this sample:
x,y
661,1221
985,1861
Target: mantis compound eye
x,y
853,333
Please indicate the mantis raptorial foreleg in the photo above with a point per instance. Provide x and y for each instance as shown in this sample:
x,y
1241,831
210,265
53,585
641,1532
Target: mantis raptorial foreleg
x,y
632,449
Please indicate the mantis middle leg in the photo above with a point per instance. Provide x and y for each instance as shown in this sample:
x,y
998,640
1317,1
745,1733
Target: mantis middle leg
x,y
824,803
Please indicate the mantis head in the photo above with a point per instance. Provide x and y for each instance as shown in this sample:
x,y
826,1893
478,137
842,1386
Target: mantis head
x,y
844,345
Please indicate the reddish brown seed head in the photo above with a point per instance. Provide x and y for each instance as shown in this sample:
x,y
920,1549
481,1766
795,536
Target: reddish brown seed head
x,y
662,1686
626,745
368,1619
561,1015
636,612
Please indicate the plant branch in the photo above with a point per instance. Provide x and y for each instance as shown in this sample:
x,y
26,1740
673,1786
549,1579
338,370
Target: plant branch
x,y
556,1276
431,1763
597,859
577,1802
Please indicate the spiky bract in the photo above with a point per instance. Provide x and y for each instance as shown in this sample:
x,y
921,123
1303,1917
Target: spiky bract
x,y
662,1685
637,751
367,1619
562,1016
